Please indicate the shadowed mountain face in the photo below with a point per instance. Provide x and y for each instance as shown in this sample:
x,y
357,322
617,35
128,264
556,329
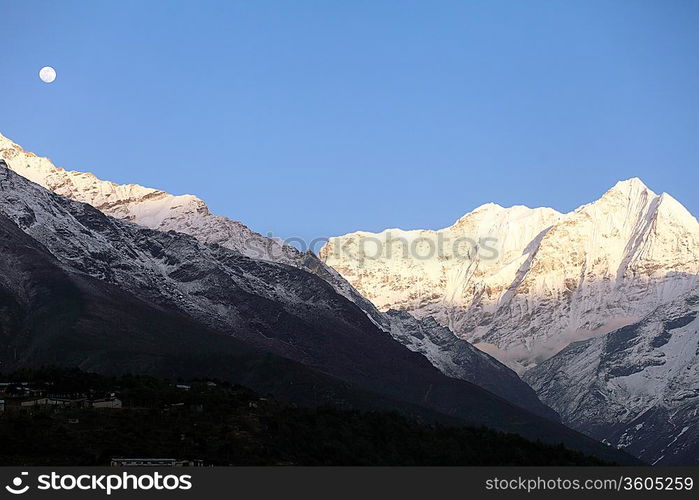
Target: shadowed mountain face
x,y
458,359
636,388
52,315
83,289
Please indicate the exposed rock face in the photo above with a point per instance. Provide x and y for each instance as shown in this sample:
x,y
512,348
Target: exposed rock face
x,y
637,388
536,280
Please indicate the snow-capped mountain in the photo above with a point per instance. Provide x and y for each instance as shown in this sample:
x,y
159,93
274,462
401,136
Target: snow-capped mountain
x,y
524,283
636,388
104,266
533,282
188,214
162,211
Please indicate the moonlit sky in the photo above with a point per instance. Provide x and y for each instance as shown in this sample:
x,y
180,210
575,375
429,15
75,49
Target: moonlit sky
x,y
317,118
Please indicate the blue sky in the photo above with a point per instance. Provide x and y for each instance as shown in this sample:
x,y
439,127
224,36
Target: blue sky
x,y
317,118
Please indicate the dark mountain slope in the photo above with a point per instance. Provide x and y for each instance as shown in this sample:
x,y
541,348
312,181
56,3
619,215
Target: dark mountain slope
x,y
49,315
457,358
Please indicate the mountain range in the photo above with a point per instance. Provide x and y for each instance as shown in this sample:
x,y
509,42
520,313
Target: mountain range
x,y
583,306
106,294
532,280
188,214
594,307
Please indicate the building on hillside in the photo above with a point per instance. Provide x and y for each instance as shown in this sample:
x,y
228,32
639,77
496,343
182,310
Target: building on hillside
x,y
155,462
34,402
106,403
66,401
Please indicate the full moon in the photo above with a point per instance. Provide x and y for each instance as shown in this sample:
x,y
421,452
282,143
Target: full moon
x,y
47,74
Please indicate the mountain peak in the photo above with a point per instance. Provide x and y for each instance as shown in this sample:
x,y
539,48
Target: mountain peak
x,y
634,185
6,143
675,211
488,206
630,194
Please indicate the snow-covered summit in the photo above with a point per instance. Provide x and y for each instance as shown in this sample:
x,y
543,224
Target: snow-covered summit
x,y
148,207
536,280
